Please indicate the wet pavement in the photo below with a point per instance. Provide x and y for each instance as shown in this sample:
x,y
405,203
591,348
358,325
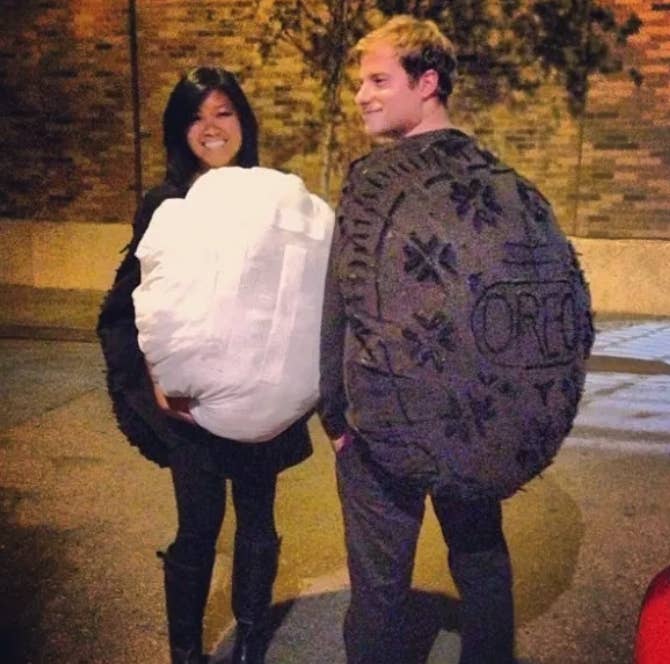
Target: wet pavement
x,y
82,514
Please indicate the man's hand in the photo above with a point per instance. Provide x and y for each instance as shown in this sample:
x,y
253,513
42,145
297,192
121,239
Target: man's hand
x,y
340,443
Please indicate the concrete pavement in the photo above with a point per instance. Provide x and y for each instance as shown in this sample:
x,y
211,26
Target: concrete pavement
x,y
82,514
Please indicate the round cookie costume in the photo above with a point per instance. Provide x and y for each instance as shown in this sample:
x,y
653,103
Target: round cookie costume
x,y
469,319
138,416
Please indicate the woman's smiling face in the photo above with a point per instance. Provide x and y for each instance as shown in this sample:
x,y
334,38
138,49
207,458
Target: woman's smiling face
x,y
215,137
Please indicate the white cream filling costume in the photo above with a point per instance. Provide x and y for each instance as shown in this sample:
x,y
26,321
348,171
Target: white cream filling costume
x,y
229,305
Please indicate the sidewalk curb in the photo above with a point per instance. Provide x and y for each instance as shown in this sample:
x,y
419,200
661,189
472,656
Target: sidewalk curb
x,y
47,333
634,365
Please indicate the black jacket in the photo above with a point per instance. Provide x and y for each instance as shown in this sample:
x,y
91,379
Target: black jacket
x,y
131,391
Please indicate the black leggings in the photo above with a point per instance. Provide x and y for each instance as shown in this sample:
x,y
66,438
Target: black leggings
x,y
200,492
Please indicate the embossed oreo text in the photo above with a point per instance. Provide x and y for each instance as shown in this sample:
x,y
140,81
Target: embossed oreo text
x,y
527,324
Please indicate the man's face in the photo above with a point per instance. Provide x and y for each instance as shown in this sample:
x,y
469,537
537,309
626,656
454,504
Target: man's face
x,y
388,100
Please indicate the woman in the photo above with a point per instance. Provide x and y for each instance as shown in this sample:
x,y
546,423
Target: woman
x,y
207,123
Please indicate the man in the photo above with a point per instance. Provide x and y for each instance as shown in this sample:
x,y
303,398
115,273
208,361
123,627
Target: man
x,y
455,330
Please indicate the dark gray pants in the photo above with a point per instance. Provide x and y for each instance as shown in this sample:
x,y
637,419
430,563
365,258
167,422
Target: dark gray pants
x,y
382,519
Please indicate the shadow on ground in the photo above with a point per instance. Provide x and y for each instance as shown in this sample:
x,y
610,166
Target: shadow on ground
x,y
32,566
309,629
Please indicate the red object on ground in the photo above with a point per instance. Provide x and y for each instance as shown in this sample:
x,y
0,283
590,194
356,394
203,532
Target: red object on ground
x,y
652,642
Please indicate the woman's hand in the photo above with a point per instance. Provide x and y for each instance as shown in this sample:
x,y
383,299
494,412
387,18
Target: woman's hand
x,y
176,407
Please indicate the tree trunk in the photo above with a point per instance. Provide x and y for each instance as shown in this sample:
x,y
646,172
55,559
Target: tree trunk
x,y
339,16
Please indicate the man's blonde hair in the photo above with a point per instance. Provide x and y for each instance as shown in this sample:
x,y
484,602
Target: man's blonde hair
x,y
419,45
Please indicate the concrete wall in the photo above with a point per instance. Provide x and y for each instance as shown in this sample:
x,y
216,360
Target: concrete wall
x,y
60,255
626,276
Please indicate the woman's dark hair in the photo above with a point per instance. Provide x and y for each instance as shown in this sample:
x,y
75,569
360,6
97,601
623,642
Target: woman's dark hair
x,y
182,110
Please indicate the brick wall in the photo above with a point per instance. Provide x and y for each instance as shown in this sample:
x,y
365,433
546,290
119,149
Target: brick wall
x,y
619,186
174,35
625,183
68,138
66,142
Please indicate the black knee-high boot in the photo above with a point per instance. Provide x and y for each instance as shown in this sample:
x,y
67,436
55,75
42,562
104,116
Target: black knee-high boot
x,y
186,590
484,581
255,565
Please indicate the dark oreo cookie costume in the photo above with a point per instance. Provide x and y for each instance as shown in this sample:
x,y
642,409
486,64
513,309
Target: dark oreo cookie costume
x,y
468,317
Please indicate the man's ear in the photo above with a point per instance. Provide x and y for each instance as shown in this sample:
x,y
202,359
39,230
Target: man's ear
x,y
428,83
